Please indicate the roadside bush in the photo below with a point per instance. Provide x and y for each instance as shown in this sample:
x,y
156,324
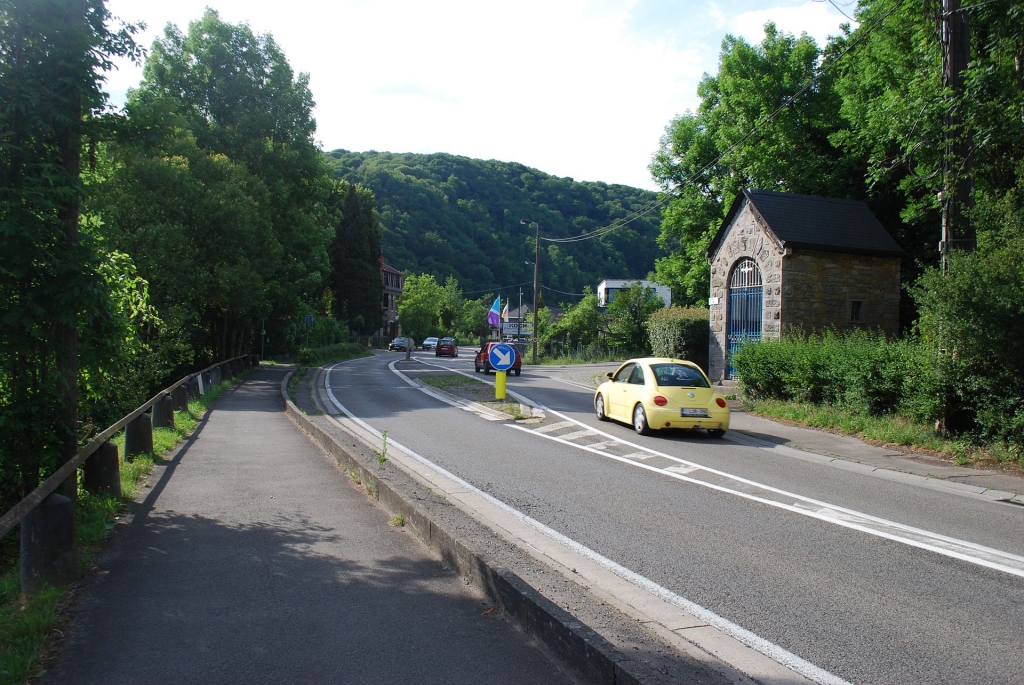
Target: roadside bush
x,y
325,330
861,370
762,367
972,319
312,356
680,332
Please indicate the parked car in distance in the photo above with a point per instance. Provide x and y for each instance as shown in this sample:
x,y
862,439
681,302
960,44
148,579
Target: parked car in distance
x,y
430,343
397,344
483,359
653,393
447,347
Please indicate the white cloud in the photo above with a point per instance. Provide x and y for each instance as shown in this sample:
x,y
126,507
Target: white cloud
x,y
818,19
568,87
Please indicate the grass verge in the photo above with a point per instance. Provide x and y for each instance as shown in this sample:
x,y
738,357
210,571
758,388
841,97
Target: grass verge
x,y
474,390
890,429
26,621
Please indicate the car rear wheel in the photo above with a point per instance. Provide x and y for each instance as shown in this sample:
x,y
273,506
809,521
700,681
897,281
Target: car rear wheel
x,y
716,433
640,420
599,408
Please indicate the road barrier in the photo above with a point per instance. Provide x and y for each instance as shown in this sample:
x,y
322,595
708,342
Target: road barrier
x,y
48,549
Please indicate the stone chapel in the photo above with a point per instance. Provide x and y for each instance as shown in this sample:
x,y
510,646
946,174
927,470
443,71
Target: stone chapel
x,y
783,261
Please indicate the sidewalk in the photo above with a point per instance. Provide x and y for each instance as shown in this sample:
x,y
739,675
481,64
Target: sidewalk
x,y
997,484
252,559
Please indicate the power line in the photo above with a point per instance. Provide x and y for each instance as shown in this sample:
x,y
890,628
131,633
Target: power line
x,y
496,289
562,292
757,127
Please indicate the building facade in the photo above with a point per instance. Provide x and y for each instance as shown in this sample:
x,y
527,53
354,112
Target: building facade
x,y
784,262
608,288
393,281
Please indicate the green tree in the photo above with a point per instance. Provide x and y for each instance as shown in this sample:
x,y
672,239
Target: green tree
x,y
471,323
419,306
239,98
197,225
581,323
52,57
707,158
628,314
355,252
452,305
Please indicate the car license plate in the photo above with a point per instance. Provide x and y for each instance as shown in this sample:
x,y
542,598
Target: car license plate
x,y
693,412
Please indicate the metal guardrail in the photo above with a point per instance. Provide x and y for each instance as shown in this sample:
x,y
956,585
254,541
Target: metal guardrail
x,y
14,516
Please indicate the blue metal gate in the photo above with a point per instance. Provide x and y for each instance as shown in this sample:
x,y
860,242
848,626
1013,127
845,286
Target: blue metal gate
x,y
746,295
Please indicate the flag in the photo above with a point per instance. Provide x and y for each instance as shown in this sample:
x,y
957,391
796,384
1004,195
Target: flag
x,y
504,313
494,314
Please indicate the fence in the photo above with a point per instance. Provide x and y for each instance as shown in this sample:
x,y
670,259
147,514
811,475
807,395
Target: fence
x,y
48,550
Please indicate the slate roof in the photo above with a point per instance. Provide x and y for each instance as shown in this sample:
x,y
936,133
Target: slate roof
x,y
815,223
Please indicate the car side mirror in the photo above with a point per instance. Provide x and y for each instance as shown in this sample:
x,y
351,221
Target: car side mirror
x,y
609,375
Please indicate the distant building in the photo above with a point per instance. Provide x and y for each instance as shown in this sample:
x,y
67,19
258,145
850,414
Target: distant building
x,y
517,324
608,288
782,261
393,281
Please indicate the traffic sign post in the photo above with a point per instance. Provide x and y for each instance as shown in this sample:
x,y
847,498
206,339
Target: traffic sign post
x,y
501,358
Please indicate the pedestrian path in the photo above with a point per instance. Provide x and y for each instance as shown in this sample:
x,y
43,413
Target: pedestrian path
x,y
252,559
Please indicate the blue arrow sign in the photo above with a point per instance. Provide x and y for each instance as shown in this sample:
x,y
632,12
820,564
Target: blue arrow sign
x,y
502,357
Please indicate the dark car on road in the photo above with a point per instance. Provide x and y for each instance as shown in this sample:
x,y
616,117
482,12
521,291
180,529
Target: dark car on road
x,y
397,344
447,347
483,359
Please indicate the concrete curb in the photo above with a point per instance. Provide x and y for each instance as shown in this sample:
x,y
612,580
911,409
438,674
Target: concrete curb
x,y
578,647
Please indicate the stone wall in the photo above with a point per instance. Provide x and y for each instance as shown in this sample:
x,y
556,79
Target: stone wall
x,y
745,237
819,287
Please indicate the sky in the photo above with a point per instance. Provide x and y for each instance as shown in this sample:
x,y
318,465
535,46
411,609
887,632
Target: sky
x,y
577,88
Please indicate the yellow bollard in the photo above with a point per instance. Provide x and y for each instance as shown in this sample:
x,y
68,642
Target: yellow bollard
x,y
499,385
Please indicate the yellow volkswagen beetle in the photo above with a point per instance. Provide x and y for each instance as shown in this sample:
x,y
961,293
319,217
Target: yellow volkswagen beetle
x,y
657,392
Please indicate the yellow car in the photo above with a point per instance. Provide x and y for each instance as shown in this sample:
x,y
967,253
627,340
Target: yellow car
x,y
657,392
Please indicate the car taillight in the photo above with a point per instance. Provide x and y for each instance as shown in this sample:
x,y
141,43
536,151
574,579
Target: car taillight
x,y
660,401
720,402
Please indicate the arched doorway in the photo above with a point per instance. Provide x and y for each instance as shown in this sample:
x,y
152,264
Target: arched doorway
x,y
746,295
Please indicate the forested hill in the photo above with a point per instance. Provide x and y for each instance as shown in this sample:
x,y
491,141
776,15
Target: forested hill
x,y
448,215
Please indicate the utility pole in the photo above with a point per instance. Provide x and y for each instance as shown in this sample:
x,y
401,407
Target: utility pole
x,y
957,182
536,275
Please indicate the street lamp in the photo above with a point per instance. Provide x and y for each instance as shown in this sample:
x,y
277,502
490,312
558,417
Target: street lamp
x,y
536,274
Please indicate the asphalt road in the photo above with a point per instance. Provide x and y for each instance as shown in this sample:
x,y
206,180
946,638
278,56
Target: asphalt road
x,y
739,540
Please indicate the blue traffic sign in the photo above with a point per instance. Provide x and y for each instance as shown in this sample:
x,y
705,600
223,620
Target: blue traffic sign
x,y
502,357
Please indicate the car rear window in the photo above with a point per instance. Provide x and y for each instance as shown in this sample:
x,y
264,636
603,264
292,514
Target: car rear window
x,y
679,375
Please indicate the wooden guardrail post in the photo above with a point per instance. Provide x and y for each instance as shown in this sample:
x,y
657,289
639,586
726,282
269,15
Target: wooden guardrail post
x,y
163,413
225,371
49,555
192,387
101,474
138,437
179,398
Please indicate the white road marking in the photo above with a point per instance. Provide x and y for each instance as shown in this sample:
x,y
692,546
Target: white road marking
x,y
556,426
578,434
963,550
841,516
742,635
473,407
641,456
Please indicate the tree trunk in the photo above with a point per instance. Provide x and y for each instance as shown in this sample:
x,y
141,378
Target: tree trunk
x,y
70,143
